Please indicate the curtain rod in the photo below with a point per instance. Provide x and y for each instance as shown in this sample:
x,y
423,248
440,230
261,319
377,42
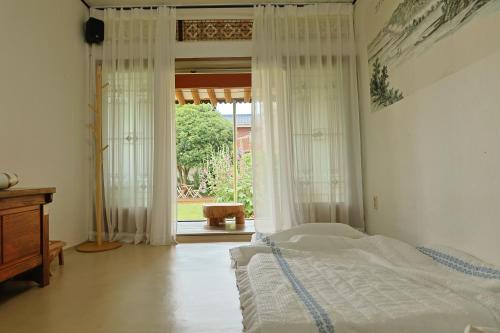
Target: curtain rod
x,y
215,5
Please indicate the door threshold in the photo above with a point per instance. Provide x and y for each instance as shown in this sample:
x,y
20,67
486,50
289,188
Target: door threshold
x,y
214,237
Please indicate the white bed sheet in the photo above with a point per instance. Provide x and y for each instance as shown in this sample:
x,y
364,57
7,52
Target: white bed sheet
x,y
321,279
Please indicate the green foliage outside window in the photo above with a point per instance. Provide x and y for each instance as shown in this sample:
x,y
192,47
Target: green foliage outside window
x,y
201,131
219,174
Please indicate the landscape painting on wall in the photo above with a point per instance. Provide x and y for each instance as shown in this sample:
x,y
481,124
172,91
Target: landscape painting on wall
x,y
412,27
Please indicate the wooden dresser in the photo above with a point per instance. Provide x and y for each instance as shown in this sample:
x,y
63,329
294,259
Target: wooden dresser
x,y
24,234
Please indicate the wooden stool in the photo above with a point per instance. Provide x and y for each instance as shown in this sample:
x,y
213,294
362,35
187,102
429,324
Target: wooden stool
x,y
56,250
216,213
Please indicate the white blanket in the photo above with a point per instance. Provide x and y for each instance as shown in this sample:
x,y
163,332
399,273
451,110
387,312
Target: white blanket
x,y
326,282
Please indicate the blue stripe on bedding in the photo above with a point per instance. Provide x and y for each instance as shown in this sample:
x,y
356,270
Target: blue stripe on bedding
x,y
320,316
460,265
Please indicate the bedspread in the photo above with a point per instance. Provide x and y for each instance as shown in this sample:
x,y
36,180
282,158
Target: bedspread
x,y
330,283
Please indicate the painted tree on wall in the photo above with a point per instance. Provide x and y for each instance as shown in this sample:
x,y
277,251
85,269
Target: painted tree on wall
x,y
381,94
413,27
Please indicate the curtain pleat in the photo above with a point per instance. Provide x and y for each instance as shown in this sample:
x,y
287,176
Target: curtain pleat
x,y
137,59
305,128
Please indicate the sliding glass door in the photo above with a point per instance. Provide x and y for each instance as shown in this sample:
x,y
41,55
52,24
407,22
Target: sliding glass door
x,y
214,158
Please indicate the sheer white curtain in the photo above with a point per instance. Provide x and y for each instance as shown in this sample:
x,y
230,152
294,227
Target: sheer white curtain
x,y
305,130
139,125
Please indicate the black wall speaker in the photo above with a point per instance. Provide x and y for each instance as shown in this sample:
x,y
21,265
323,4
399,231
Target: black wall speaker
x,y
94,31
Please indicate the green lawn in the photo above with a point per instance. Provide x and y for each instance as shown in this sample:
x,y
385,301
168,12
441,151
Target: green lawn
x,y
189,211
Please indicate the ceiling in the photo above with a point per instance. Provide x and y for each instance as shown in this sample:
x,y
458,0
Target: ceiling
x,y
110,3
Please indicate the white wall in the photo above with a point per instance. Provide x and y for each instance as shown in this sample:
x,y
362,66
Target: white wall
x,y
433,159
43,112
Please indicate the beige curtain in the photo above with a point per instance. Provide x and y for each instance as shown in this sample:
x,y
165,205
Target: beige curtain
x,y
139,124
305,130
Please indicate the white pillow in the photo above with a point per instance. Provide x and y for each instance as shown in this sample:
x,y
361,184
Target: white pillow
x,y
325,229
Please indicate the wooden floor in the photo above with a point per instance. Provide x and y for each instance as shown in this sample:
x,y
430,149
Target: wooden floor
x,y
135,289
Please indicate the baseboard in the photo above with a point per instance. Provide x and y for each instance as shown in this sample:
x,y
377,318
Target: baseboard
x,y
198,238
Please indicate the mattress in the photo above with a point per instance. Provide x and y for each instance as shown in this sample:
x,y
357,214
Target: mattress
x,y
340,280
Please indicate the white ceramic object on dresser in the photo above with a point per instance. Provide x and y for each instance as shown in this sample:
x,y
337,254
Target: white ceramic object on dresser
x,y
8,180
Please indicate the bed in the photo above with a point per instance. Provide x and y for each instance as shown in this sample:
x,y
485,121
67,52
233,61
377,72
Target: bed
x,y
332,278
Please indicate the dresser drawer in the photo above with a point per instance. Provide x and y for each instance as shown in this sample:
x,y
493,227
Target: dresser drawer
x,y
21,235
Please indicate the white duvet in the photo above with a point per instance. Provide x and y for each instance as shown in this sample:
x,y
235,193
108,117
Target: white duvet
x,y
331,278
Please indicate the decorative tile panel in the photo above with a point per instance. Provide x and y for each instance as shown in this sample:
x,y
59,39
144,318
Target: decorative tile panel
x,y
204,30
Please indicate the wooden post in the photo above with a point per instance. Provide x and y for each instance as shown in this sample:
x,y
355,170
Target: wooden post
x,y
235,155
98,154
42,274
213,97
99,244
247,95
180,96
196,96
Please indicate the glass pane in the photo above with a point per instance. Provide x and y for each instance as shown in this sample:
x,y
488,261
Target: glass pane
x,y
203,134
206,155
244,157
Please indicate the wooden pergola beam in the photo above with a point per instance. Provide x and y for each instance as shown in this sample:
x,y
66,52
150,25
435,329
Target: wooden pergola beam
x,y
213,97
180,96
247,97
227,96
196,96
